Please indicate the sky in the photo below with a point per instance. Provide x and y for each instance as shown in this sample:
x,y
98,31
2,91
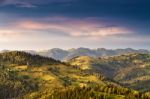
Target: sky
x,y
45,24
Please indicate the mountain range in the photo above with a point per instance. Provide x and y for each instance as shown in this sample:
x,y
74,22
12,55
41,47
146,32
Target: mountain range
x,y
64,55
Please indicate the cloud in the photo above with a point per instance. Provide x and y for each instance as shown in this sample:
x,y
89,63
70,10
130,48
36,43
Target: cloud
x,y
31,3
18,3
2,1
74,27
9,33
26,5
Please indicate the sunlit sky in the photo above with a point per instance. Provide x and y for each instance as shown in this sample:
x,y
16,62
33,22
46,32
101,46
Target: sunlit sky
x,y
45,24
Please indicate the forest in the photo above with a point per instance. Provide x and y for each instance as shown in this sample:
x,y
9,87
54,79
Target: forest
x,y
27,76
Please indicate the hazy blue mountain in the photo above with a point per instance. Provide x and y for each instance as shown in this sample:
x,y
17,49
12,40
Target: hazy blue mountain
x,y
55,53
62,55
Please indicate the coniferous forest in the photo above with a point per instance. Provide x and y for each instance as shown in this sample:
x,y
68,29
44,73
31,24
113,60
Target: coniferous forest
x,y
27,76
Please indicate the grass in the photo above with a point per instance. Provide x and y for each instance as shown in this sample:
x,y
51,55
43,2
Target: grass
x,y
83,62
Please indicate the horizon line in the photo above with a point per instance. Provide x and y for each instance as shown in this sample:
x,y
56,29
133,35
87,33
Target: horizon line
x,y
74,48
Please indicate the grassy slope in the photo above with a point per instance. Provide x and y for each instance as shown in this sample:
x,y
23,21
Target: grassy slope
x,y
45,72
131,70
37,76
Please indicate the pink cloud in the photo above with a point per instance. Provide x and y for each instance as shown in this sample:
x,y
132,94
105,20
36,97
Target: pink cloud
x,y
75,28
9,33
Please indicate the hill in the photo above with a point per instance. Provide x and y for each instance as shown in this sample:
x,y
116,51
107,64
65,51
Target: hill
x,y
130,70
27,76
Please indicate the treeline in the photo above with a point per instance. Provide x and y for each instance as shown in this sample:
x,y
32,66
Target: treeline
x,y
13,85
92,92
23,58
98,92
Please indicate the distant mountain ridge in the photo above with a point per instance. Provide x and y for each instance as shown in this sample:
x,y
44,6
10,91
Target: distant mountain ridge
x,y
60,54
63,55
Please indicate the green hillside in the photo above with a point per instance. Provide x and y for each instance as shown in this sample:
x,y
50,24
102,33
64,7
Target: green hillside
x,y
130,70
27,76
22,58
